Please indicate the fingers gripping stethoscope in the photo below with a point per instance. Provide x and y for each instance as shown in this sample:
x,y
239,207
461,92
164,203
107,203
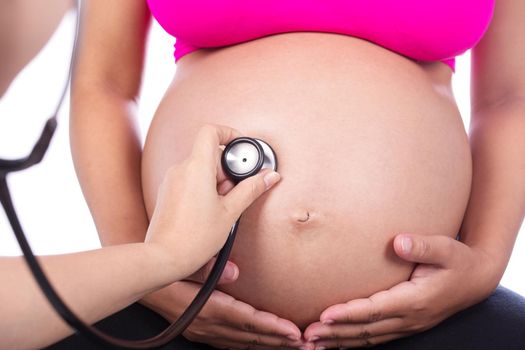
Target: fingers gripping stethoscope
x,y
241,158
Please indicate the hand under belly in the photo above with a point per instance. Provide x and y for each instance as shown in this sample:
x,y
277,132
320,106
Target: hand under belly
x,y
368,147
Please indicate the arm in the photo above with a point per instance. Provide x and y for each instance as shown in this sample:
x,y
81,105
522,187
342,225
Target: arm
x,y
452,275
95,284
106,152
104,139
99,282
25,27
497,137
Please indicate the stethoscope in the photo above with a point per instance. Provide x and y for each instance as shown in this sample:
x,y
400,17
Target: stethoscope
x,y
243,157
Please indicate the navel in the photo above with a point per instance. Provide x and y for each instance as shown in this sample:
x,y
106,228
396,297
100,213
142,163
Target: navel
x,y
301,216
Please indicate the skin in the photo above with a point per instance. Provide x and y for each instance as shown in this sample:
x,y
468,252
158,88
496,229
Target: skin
x,y
25,26
107,85
453,275
331,197
100,282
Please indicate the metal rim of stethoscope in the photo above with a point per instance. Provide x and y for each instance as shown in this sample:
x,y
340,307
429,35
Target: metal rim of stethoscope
x,y
246,156
91,333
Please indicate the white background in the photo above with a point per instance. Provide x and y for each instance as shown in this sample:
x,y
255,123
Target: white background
x,y
48,197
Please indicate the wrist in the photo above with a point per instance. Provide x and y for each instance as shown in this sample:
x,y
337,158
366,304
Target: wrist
x,y
169,302
492,246
165,262
492,266
159,301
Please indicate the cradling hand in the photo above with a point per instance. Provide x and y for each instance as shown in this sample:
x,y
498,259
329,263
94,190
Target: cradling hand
x,y
450,276
225,322
197,199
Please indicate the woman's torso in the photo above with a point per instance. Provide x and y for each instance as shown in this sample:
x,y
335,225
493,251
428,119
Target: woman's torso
x,y
370,144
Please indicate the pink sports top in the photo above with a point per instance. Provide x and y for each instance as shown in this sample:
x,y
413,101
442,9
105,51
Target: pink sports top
x,y
423,30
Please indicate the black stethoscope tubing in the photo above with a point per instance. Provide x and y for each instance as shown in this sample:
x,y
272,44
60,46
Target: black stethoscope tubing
x,y
170,333
91,333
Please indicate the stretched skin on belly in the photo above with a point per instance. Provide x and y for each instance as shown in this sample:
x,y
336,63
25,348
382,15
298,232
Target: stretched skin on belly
x,y
368,147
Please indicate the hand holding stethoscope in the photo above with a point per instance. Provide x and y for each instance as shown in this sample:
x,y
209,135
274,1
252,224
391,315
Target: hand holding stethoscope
x,y
196,207
202,202
198,187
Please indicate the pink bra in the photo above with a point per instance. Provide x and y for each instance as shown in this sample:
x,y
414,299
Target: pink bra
x,y
423,30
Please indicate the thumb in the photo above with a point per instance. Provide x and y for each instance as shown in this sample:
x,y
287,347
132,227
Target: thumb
x,y
229,275
426,249
248,190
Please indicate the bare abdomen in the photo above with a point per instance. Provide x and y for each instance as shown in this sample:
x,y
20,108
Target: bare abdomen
x,y
369,146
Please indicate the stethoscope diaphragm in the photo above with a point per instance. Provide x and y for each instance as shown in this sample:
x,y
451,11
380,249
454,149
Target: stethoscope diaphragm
x,y
245,156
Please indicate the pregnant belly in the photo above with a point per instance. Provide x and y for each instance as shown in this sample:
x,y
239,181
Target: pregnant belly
x,y
370,144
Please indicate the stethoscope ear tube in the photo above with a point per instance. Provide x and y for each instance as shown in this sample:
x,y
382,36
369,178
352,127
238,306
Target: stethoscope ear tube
x,y
37,153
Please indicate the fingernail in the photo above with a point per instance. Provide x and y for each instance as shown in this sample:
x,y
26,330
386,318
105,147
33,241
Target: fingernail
x,y
406,244
314,338
271,179
320,348
327,322
293,337
230,272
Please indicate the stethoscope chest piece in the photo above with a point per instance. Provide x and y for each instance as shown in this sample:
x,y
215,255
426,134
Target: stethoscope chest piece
x,y
244,157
